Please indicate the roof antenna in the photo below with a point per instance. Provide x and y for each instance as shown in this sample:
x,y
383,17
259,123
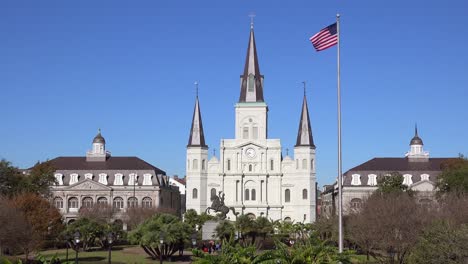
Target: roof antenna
x,y
252,15
196,88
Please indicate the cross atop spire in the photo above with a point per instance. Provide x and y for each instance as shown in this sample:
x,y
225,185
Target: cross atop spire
x,y
252,16
196,88
251,79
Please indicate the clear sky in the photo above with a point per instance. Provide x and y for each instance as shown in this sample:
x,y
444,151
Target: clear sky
x,y
68,68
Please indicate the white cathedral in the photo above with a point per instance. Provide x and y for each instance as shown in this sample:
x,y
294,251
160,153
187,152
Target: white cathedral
x,y
251,171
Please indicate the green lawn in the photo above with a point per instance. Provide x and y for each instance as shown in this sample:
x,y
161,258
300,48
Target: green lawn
x,y
120,254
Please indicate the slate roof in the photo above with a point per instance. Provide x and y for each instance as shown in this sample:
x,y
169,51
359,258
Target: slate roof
x,y
254,69
399,164
304,133
112,163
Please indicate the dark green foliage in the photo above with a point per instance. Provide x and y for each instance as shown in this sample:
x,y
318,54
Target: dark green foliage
x,y
148,234
442,243
193,219
37,180
225,230
89,229
392,183
454,177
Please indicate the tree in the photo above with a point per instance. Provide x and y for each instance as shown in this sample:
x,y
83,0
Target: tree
x,y
442,243
27,221
392,183
225,230
195,220
40,178
232,253
148,234
391,223
454,176
89,229
10,178
101,213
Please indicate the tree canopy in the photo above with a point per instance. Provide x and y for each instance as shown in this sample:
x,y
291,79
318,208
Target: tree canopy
x,y
454,176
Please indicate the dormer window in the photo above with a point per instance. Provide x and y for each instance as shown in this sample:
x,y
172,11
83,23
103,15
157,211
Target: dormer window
x,y
88,176
133,179
407,179
73,178
59,178
424,177
372,180
356,179
118,179
147,179
103,178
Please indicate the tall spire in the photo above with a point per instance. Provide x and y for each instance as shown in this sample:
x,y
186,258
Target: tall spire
x,y
416,140
197,137
251,79
304,135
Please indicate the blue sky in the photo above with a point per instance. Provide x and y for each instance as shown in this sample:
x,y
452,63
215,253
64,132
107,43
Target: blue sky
x,y
68,68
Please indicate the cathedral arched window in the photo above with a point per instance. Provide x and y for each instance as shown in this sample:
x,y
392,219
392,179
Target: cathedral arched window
x,y
287,196
311,164
212,194
245,132
194,193
297,164
253,195
228,164
203,164
304,164
58,202
195,164
251,82
132,202
87,202
247,194
304,194
272,163
250,167
118,203
147,202
254,132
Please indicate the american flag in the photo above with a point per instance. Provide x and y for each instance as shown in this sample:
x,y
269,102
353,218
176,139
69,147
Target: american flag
x,y
325,38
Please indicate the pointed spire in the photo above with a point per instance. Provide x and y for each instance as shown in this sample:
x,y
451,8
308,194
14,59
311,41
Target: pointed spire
x,y
416,130
251,79
416,140
197,137
304,135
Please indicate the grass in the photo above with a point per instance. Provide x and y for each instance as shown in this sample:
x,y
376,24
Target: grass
x,y
120,255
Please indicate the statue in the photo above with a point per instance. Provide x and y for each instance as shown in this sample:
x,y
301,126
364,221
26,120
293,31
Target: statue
x,y
218,206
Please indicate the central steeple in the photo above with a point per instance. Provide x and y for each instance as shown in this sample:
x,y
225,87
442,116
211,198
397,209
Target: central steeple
x,y
251,80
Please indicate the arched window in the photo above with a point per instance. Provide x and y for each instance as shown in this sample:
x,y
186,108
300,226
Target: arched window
x,y
118,203
287,196
212,194
304,164
372,179
58,202
245,133
195,164
287,219
250,167
132,202
73,203
194,193
203,164
254,132
251,82
228,164
102,201
251,216
356,203
272,163
356,179
311,164
246,194
87,202
304,194
297,164
253,195
147,202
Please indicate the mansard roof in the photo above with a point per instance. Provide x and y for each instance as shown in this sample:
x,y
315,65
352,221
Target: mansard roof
x,y
112,163
399,164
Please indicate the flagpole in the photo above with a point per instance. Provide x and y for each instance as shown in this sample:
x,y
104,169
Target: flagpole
x,y
340,176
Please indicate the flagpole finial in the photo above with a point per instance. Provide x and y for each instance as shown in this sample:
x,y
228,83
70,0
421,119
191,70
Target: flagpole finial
x,y
252,15
196,88
337,15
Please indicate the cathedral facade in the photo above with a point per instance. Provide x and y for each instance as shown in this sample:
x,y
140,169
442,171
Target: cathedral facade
x,y
251,175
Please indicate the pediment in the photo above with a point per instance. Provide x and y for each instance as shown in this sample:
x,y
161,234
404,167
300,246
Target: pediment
x,y
251,143
88,184
423,186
